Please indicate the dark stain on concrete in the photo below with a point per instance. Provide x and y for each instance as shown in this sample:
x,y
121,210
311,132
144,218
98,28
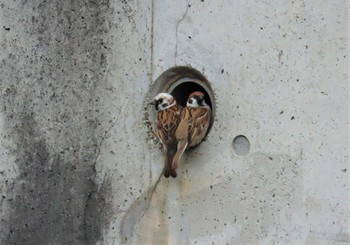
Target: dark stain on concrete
x,y
49,76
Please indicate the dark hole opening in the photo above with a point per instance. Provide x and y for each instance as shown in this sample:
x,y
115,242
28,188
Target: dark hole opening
x,y
183,90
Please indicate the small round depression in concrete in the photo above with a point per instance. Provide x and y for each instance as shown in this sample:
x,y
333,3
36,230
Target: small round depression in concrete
x,y
241,145
181,81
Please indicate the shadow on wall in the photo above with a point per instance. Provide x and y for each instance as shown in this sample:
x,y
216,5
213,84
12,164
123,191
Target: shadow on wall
x,y
49,78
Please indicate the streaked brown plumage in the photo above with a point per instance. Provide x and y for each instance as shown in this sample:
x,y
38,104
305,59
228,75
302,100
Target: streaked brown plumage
x,y
193,127
167,121
181,137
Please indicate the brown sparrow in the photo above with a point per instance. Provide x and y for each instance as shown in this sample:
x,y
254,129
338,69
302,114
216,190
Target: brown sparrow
x,y
167,121
193,127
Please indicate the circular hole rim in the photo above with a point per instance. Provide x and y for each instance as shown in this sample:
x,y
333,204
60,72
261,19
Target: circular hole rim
x,y
199,83
169,79
208,90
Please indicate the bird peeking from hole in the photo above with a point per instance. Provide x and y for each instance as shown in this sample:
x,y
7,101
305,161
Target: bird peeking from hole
x,y
167,121
179,128
193,126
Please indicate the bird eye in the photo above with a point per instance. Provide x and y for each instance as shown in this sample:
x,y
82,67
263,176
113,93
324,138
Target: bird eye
x,y
160,101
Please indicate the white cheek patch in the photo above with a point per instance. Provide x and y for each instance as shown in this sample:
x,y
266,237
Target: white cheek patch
x,y
193,104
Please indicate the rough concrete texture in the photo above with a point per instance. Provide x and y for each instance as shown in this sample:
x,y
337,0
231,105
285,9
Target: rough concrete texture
x,y
77,165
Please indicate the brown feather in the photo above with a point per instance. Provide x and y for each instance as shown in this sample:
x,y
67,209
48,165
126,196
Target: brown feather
x,y
167,121
182,139
198,125
196,93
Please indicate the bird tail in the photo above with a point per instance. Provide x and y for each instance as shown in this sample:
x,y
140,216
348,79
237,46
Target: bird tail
x,y
181,147
168,169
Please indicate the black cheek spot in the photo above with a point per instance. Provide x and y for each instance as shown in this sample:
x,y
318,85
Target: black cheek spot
x,y
156,104
190,101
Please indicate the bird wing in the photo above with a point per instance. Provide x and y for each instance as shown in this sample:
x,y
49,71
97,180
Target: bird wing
x,y
182,129
167,122
181,137
199,125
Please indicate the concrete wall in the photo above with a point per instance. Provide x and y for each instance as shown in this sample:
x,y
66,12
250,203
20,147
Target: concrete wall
x,y
78,165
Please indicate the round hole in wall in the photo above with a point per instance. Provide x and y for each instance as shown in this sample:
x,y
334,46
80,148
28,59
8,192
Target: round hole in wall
x,y
181,81
241,145
182,88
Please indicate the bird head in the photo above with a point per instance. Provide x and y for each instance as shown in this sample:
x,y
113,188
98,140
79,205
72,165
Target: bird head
x,y
196,99
163,101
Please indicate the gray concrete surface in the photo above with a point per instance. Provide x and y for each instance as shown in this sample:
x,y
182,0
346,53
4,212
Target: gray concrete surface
x,y
78,164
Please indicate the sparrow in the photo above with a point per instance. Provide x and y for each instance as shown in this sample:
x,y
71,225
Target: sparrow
x,y
167,121
193,126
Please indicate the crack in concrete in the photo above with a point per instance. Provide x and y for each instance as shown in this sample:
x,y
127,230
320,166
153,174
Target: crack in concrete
x,y
104,137
106,132
177,28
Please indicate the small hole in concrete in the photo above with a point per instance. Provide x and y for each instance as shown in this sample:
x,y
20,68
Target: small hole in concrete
x,y
181,81
241,145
